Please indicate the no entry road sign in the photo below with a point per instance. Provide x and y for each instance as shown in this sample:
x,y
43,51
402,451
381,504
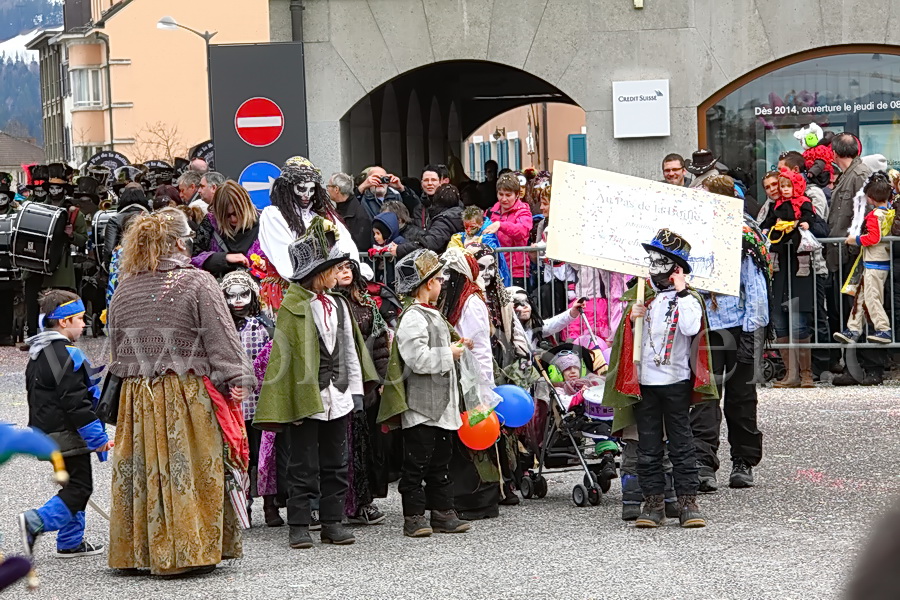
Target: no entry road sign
x,y
259,122
257,178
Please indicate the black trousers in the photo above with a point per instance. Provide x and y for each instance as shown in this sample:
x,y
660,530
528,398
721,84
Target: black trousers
x,y
7,302
666,406
317,469
32,291
426,458
733,379
825,357
76,493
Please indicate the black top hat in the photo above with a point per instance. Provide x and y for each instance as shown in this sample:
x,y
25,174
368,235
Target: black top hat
x,y
87,186
701,161
60,182
669,243
39,174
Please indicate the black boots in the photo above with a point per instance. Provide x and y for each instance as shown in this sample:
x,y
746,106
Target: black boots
x,y
416,526
337,534
741,474
299,538
690,513
270,510
653,513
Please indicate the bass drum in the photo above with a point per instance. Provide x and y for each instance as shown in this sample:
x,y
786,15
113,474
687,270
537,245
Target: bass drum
x,y
98,234
7,226
39,240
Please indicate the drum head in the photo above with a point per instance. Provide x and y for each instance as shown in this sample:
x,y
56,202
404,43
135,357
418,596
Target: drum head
x,y
39,241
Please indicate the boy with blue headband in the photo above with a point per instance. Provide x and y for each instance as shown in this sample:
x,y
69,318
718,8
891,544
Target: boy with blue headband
x,y
62,397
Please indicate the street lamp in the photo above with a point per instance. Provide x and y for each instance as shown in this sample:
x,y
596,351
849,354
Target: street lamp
x,y
170,24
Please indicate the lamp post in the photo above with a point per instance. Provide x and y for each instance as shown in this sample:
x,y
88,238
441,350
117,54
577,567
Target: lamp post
x,y
170,24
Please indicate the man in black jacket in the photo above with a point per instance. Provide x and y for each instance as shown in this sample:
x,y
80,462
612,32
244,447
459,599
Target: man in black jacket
x,y
433,177
347,205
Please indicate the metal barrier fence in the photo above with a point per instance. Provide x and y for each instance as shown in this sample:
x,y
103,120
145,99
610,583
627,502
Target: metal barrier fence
x,y
828,312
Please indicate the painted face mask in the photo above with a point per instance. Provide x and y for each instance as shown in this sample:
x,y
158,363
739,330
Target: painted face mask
x,y
305,192
56,192
40,194
661,268
238,298
488,270
4,199
522,306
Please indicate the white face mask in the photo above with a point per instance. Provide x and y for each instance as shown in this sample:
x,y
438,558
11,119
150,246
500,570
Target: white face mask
x,y
238,298
661,268
4,199
488,266
305,193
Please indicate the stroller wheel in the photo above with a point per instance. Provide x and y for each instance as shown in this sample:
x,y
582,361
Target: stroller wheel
x,y
540,486
580,495
526,487
769,370
594,496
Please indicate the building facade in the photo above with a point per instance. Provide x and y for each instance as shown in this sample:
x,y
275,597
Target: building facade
x,y
112,80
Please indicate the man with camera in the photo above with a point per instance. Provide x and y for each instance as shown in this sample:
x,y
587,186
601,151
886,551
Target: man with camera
x,y
378,187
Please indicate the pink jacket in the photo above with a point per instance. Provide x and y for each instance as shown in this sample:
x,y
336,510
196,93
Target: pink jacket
x,y
515,227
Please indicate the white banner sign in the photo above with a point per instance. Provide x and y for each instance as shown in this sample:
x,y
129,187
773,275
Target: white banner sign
x,y
599,219
641,108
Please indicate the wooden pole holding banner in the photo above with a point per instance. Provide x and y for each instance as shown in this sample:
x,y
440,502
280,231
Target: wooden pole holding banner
x,y
638,323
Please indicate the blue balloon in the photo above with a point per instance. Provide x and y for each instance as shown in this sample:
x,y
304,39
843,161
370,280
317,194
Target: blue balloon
x,y
516,406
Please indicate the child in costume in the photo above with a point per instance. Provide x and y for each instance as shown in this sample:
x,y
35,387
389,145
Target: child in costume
x,y
876,261
242,296
317,368
658,396
422,390
61,403
791,210
474,224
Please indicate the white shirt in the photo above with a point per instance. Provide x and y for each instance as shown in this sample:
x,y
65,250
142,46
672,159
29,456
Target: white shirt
x,y
412,342
690,318
275,236
474,324
552,326
337,403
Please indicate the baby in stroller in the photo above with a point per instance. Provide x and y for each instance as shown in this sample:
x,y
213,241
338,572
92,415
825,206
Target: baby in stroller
x,y
578,430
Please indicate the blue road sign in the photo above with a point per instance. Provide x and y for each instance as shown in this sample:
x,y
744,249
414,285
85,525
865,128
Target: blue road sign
x,y
257,178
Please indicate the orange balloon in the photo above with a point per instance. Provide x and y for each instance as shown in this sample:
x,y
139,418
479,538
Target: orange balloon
x,y
480,436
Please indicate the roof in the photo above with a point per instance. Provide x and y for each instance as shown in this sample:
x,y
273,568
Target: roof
x,y
42,37
14,151
111,12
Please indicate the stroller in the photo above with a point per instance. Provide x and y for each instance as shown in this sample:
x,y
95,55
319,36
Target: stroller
x,y
578,432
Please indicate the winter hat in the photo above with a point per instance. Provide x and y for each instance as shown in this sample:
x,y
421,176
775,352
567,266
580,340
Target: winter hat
x,y
310,171
416,268
567,360
240,278
316,250
796,179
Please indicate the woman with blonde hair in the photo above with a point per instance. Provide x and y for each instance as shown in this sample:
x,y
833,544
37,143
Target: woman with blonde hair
x,y
180,439
228,236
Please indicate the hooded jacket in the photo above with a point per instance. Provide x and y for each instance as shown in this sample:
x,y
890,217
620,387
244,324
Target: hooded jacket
x,y
389,225
437,236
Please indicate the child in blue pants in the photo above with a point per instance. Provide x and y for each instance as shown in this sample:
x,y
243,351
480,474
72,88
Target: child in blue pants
x,y
62,392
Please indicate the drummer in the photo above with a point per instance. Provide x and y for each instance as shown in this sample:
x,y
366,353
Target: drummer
x,y
8,285
58,194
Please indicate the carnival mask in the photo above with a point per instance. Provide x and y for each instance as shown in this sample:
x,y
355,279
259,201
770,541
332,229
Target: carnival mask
x,y
57,192
661,269
522,306
305,191
238,298
39,194
488,270
4,199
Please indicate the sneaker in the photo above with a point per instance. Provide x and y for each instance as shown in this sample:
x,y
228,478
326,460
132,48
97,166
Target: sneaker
x,y
368,515
315,524
29,530
847,336
299,538
708,483
446,521
416,527
741,474
85,549
690,516
881,337
653,513
337,534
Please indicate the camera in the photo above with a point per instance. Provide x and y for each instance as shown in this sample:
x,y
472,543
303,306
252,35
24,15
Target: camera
x,y
386,179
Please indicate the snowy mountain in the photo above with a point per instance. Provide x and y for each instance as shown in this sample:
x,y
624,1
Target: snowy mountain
x,y
14,48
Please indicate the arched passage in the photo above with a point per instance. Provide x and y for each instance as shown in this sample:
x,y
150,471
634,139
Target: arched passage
x,y
446,102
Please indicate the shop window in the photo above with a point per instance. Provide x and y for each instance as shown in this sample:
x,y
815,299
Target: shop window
x,y
86,88
749,127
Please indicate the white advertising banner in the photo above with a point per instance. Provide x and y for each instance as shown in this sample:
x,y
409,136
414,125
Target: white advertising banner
x,y
600,219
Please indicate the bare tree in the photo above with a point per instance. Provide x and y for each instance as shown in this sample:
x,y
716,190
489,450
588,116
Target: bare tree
x,y
158,141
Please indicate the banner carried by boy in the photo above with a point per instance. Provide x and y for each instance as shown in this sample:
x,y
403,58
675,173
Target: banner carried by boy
x,y
600,218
